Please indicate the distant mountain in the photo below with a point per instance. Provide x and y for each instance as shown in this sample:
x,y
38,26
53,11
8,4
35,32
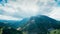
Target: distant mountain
x,y
38,22
8,23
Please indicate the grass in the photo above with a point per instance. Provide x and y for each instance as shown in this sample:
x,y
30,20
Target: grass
x,y
56,31
1,30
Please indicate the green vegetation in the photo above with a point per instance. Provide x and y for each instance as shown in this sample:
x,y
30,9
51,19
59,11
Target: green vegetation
x,y
9,31
56,31
1,30
13,31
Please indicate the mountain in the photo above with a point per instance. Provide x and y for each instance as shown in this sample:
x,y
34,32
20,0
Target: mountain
x,y
39,20
36,24
41,24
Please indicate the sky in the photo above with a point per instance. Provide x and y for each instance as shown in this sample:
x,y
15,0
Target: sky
x,y
17,9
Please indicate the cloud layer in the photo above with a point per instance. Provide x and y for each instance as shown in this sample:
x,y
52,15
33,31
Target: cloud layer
x,y
26,8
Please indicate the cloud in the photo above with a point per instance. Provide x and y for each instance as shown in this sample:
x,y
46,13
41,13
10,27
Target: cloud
x,y
24,8
27,8
55,14
4,17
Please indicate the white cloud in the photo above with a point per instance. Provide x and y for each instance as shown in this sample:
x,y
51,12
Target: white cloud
x,y
4,17
26,8
55,14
